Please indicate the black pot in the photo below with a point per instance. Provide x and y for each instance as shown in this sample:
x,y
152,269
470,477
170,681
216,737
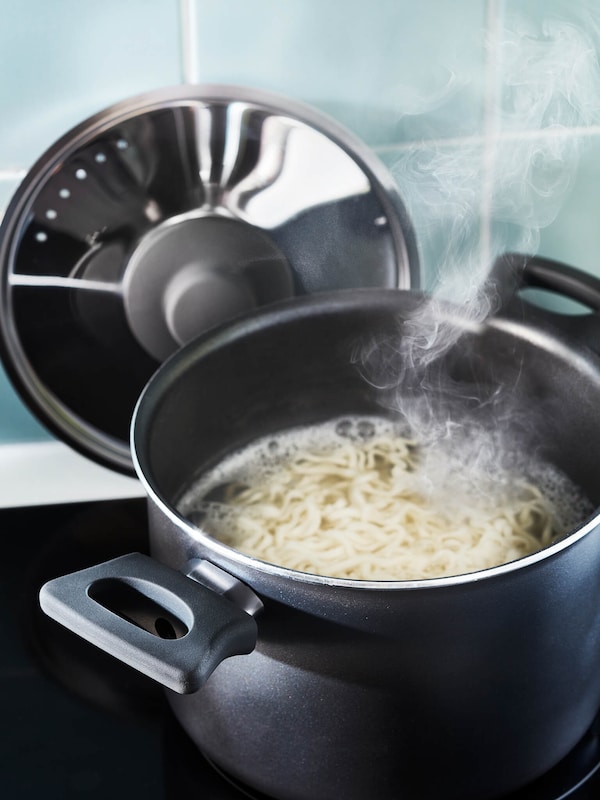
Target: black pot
x,y
461,687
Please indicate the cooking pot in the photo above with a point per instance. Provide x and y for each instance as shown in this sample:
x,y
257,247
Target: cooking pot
x,y
303,686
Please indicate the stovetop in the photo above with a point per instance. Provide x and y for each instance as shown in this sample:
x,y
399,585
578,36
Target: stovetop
x,y
78,724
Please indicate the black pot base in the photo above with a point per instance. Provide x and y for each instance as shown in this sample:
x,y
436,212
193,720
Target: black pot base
x,y
571,779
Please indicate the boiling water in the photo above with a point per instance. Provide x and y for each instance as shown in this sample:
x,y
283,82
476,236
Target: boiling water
x,y
462,471
260,459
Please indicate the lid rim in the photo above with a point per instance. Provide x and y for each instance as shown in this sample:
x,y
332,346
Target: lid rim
x,y
59,418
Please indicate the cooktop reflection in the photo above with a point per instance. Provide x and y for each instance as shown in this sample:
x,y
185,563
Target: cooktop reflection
x,y
77,723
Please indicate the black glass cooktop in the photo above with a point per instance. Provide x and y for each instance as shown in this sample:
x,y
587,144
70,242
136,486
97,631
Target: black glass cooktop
x,y
77,724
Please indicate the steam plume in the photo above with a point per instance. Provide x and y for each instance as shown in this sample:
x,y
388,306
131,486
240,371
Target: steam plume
x,y
479,196
472,199
483,195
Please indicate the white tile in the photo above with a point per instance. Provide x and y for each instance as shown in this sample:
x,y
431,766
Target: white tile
x,y
43,473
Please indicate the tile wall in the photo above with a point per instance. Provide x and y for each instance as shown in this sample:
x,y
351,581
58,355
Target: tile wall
x,y
486,113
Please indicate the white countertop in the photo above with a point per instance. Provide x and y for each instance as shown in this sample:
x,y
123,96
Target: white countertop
x,y
44,473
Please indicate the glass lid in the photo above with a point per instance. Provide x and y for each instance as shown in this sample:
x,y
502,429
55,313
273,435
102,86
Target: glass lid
x,y
165,215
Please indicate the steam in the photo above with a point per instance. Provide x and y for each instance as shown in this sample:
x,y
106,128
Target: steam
x,y
479,196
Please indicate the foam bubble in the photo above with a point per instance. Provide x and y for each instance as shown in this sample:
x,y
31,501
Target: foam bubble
x,y
569,504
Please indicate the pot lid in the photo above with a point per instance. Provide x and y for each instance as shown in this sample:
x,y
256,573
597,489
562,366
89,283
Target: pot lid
x,y
169,213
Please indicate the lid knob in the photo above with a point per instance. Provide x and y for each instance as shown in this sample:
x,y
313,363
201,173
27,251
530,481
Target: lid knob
x,y
194,272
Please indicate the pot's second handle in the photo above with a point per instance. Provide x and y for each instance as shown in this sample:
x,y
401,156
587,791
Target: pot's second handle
x,y
513,272
538,272
202,628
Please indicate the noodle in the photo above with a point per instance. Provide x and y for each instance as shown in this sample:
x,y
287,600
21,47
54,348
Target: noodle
x,y
363,508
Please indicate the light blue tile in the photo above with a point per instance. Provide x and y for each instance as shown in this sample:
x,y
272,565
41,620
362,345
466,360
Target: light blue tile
x,y
531,181
441,187
561,218
470,204
573,236
533,194
391,70
17,424
66,59
548,68
7,188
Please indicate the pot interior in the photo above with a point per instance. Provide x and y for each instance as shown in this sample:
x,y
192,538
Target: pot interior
x,y
331,355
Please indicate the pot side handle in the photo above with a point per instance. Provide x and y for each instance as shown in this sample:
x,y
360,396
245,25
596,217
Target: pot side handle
x,y
539,272
513,272
202,628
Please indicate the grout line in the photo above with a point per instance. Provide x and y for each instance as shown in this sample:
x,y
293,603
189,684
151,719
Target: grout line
x,y
494,13
552,132
189,51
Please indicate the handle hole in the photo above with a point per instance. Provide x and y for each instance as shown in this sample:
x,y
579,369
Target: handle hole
x,y
553,301
131,605
165,629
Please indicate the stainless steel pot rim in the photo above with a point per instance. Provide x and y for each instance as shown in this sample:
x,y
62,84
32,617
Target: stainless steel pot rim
x,y
225,556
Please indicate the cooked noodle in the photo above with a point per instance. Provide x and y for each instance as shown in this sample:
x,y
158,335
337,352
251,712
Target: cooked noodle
x,y
362,509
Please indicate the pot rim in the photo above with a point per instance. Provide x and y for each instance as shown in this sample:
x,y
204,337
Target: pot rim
x,y
228,557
